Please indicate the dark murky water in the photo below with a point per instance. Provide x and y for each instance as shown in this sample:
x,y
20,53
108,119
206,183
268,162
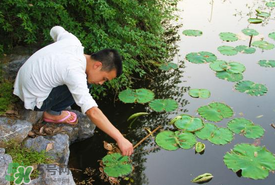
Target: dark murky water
x,y
155,166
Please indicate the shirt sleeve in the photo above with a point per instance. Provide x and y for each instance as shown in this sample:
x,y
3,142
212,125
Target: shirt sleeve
x,y
59,33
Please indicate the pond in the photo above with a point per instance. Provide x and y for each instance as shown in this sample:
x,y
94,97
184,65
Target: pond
x,y
156,166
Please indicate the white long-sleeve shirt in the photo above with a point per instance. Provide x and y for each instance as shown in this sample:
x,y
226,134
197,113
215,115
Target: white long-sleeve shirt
x,y
62,62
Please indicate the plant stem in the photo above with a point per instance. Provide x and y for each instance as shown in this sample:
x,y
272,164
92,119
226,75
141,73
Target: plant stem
x,y
147,136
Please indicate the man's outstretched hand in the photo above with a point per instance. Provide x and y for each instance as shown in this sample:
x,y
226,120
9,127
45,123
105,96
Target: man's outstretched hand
x,y
125,146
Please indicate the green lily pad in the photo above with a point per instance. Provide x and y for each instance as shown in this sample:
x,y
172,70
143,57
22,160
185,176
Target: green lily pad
x,y
214,134
263,14
160,105
194,33
189,123
228,36
199,93
168,66
215,111
270,4
263,45
251,88
272,35
227,50
254,161
231,77
250,32
136,95
245,127
199,147
267,63
232,67
201,57
255,20
169,140
116,165
245,49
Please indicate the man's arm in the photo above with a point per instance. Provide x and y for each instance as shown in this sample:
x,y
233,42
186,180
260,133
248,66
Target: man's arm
x,y
102,122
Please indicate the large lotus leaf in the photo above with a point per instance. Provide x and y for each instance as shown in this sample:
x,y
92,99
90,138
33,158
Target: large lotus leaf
x,y
221,136
255,20
254,161
267,63
136,95
245,49
272,35
251,88
250,32
168,66
167,105
173,140
245,127
218,65
194,33
270,4
215,111
227,50
232,67
199,93
231,77
116,165
228,36
206,131
201,57
189,123
263,45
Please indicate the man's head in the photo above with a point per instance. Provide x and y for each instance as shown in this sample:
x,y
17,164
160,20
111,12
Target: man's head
x,y
103,66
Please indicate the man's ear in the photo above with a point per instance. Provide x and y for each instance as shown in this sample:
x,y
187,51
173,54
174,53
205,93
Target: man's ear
x,y
97,64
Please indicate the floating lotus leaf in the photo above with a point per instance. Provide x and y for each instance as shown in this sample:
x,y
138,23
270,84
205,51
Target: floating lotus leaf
x,y
199,93
160,105
168,66
251,88
206,131
199,147
267,63
245,49
254,161
215,111
189,123
245,127
250,32
116,165
136,95
227,50
173,140
255,20
272,35
263,45
194,33
232,67
228,37
231,77
263,14
201,57
270,4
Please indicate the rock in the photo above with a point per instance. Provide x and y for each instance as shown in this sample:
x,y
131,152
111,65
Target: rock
x,y
5,160
51,174
30,116
57,146
15,130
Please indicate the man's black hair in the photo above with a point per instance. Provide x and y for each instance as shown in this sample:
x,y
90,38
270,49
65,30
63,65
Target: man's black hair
x,y
110,60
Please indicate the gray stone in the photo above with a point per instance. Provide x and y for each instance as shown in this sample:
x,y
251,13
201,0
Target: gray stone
x,y
59,149
5,160
15,130
30,116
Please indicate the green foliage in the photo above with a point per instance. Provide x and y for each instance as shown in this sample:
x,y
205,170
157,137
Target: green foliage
x,y
168,66
136,95
206,177
6,96
194,33
231,77
251,88
189,123
228,36
232,67
199,147
201,57
263,45
267,63
272,35
160,105
255,20
227,50
250,32
199,93
245,49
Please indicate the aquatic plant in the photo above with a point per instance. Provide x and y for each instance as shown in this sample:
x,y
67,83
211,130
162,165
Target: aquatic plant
x,y
245,127
136,95
270,4
255,20
263,45
116,165
188,123
228,36
231,77
262,14
232,67
160,105
253,161
206,177
227,50
250,32
201,57
199,147
272,35
170,140
199,93
267,63
194,33
251,88
168,66
215,111
245,49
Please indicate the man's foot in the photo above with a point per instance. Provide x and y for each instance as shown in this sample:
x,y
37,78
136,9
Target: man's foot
x,y
65,117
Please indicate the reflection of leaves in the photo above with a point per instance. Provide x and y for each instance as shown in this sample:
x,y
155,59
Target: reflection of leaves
x,y
251,88
254,162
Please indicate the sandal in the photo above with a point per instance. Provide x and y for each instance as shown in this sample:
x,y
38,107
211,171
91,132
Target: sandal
x,y
65,119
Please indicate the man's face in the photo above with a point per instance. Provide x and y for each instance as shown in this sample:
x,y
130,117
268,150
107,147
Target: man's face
x,y
96,75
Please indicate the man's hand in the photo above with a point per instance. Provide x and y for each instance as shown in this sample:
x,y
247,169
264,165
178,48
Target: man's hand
x,y
125,146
